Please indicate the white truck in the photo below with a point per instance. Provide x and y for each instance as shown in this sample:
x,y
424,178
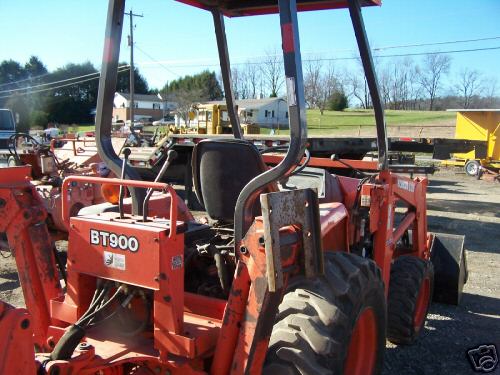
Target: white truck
x,y
7,129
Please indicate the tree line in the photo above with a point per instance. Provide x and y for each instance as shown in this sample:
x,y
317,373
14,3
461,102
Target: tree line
x,y
404,83
67,95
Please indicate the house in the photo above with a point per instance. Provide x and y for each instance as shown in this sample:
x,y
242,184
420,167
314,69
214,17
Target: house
x,y
150,107
267,113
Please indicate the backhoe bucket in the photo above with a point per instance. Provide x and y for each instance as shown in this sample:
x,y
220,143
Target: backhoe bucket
x,y
450,267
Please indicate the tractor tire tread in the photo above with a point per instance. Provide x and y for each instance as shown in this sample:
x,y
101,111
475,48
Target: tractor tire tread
x,y
407,275
314,322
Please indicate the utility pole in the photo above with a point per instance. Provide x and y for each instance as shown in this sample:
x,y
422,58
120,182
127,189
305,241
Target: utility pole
x,y
131,45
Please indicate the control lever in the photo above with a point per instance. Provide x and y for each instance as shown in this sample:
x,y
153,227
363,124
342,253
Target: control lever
x,y
335,157
126,153
171,156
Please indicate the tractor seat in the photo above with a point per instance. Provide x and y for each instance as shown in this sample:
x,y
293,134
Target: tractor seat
x,y
221,169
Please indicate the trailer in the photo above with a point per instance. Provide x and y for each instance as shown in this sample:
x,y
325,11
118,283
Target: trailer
x,y
478,125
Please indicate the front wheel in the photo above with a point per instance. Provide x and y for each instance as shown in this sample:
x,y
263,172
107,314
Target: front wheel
x,y
333,324
410,294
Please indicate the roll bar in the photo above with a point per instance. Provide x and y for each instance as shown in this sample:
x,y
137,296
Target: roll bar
x,y
297,119
225,68
371,79
105,97
294,87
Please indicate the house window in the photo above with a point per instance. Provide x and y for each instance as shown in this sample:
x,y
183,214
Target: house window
x,y
272,115
265,113
286,114
156,106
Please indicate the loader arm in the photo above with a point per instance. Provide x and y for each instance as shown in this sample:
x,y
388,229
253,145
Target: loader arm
x,y
23,220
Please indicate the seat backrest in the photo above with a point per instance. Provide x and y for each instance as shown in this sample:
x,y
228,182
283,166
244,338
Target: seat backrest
x,y
221,169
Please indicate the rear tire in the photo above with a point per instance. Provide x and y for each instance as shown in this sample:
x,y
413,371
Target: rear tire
x,y
410,294
334,324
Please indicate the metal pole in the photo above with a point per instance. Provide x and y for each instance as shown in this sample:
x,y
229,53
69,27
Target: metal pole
x,y
132,76
371,79
225,68
132,70
107,88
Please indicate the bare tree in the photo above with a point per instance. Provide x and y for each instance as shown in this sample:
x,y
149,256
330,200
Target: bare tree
x,y
328,85
272,71
312,82
240,83
434,67
491,91
403,89
253,78
468,85
385,84
185,100
236,82
358,88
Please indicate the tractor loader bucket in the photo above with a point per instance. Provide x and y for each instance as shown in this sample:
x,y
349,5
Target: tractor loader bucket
x,y
450,267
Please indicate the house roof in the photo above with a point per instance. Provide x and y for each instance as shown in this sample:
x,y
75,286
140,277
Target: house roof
x,y
250,103
140,97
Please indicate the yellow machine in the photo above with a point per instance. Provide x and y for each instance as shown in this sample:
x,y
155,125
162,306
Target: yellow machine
x,y
214,119
479,125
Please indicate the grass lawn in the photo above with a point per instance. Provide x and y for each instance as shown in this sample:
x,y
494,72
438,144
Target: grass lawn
x,y
351,120
332,119
338,122
80,128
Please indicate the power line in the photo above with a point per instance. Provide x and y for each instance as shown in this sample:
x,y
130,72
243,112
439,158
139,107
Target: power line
x,y
303,53
156,61
441,52
54,82
338,50
346,58
26,79
58,87
436,43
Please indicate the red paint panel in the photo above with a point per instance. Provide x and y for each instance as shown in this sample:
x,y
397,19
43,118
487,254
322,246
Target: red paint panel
x,y
237,9
287,35
89,250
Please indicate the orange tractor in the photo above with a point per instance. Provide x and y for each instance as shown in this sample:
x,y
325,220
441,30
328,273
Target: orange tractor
x,y
297,271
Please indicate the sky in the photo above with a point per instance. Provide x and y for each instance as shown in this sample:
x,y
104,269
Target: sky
x,y
173,39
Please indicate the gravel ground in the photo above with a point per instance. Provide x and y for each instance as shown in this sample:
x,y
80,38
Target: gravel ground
x,y
456,204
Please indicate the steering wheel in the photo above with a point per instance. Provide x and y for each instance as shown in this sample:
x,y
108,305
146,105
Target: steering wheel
x,y
12,144
300,168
